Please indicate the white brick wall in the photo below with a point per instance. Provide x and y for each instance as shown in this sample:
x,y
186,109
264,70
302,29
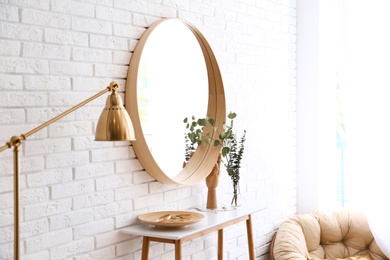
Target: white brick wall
x,y
76,193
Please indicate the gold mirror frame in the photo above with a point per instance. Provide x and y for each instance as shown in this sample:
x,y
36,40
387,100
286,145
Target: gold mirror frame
x,y
205,156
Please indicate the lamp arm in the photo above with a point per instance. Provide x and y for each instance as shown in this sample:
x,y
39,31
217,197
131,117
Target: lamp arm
x,y
15,140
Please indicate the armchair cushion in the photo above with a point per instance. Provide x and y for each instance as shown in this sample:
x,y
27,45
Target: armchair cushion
x,y
326,235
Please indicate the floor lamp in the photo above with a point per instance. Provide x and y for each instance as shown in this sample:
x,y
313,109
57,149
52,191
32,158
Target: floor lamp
x,y
114,125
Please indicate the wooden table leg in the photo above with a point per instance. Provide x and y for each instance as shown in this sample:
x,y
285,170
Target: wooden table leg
x,y
220,244
251,245
145,248
178,249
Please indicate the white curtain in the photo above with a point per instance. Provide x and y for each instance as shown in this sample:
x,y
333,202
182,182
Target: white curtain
x,y
365,85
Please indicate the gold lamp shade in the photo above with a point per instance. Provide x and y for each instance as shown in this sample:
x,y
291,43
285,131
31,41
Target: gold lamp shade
x,y
114,123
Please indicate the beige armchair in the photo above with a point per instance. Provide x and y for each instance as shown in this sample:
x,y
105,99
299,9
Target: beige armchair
x,y
341,234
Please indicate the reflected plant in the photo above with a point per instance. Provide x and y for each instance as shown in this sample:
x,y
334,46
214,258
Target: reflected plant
x,y
232,147
194,134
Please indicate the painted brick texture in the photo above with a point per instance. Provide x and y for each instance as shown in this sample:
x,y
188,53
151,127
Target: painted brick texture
x,y
76,194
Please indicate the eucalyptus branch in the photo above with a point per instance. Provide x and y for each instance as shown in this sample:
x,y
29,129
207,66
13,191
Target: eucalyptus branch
x,y
232,149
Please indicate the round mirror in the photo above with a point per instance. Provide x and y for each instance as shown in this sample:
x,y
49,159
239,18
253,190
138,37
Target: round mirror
x,y
173,74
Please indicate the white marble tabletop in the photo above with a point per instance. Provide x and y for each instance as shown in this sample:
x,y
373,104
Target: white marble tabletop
x,y
213,218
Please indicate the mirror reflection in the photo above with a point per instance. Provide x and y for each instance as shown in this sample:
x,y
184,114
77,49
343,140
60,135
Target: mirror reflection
x,y
172,84
173,74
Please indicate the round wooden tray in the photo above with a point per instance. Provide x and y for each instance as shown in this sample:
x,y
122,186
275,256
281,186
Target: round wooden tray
x,y
171,218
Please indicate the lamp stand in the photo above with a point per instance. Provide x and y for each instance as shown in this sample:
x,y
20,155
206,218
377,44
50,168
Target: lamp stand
x,y
16,142
16,200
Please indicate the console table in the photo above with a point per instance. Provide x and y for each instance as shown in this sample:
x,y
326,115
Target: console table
x,y
213,221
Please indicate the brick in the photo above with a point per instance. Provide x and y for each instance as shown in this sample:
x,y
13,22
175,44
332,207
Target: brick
x,y
70,98
135,192
72,188
6,251
48,177
92,55
12,82
115,71
113,181
36,147
110,238
12,116
143,20
20,32
66,37
113,14
92,170
171,196
49,239
148,201
93,228
31,164
141,177
202,9
73,248
128,31
136,6
130,246
70,68
70,219
40,255
126,219
195,18
47,19
27,66
46,51
9,13
6,200
108,42
83,142
112,209
91,25
9,48
7,234
122,57
96,84
72,8
34,228
47,82
67,159
41,115
37,4
93,199
124,166
102,254
108,154
70,128
31,196
47,209
161,11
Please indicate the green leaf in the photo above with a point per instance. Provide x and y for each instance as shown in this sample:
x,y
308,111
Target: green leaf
x,y
202,122
225,151
232,115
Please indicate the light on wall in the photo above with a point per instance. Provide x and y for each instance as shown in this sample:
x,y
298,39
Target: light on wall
x,y
114,125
